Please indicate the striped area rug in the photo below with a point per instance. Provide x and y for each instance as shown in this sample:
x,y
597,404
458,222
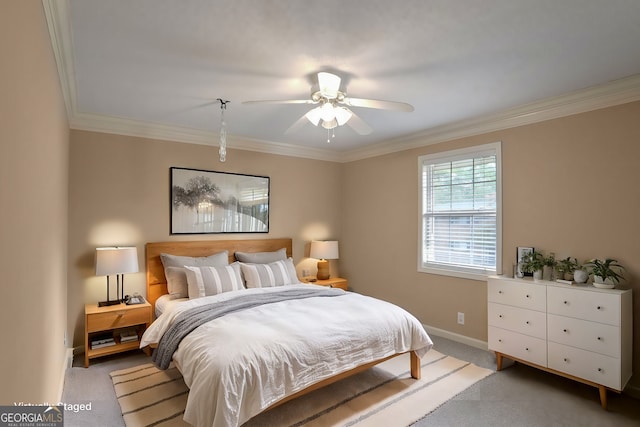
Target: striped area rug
x,y
385,395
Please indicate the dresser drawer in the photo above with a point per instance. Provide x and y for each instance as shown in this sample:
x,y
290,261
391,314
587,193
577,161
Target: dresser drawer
x,y
117,319
518,293
591,336
599,307
594,367
528,322
521,346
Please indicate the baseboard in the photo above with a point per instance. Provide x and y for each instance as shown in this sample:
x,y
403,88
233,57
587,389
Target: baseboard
x,y
632,391
432,330
66,364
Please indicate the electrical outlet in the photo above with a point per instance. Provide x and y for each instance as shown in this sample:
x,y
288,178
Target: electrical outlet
x,y
460,318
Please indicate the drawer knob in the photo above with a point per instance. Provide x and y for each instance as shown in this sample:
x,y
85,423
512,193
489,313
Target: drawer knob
x,y
599,338
528,322
566,360
499,292
599,369
599,308
500,316
499,340
528,296
564,330
526,348
565,302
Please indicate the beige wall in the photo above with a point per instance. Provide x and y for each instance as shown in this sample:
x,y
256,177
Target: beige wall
x,y
33,209
570,185
119,195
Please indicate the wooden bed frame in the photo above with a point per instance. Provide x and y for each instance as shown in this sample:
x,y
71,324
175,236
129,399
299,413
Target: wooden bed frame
x,y
157,286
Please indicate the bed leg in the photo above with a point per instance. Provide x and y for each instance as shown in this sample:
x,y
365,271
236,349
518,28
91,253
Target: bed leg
x,y
415,365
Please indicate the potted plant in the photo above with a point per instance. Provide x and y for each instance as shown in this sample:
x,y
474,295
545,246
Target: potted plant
x,y
549,264
533,262
566,268
580,274
605,273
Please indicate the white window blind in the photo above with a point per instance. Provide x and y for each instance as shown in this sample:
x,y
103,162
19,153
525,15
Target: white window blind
x,y
460,223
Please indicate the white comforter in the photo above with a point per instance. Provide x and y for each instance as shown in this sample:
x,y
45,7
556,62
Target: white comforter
x,y
240,364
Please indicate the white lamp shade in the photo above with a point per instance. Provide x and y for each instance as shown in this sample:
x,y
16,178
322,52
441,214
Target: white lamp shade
x,y
324,249
116,260
342,115
314,116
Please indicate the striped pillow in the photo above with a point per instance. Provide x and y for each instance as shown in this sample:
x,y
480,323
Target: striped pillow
x,y
276,273
205,281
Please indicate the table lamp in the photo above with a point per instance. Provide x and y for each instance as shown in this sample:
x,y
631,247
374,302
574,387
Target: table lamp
x,y
324,250
116,260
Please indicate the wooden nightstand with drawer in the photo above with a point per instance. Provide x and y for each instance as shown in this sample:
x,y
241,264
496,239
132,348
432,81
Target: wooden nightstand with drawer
x,y
334,282
111,321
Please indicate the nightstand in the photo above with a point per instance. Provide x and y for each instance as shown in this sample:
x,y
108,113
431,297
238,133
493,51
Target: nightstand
x,y
333,282
111,321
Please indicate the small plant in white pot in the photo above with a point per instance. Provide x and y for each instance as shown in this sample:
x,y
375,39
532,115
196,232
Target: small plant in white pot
x,y
605,273
566,268
580,274
533,262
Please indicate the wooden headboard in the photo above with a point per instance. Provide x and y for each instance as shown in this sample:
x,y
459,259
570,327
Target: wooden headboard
x,y
157,282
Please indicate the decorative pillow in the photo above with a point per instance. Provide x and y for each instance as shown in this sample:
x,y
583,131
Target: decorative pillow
x,y
215,260
262,257
177,282
277,273
205,281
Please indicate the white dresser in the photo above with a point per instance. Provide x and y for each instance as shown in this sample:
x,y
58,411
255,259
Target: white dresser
x,y
579,332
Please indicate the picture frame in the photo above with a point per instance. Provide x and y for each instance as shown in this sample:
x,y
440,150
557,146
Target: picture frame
x,y
521,251
210,202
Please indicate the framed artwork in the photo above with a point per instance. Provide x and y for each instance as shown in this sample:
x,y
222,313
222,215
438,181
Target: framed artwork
x,y
205,202
521,252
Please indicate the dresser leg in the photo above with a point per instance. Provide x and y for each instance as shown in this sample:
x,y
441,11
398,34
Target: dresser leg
x,y
603,397
498,361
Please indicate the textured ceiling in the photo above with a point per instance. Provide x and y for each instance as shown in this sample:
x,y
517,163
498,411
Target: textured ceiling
x,y
164,62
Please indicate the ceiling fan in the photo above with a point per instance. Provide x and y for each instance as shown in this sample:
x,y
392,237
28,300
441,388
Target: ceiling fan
x,y
332,106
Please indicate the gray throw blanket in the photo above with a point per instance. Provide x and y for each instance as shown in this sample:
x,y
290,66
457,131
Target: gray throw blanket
x,y
190,319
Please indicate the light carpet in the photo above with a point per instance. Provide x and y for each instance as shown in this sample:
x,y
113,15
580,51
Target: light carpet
x,y
385,395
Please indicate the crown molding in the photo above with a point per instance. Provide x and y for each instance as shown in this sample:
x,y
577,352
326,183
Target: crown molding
x,y
609,94
159,131
58,21
601,96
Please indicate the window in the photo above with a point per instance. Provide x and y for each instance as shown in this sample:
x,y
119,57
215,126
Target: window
x,y
460,217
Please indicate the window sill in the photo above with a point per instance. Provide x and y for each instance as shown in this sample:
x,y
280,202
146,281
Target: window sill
x,y
482,277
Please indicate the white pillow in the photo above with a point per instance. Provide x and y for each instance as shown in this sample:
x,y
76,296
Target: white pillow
x,y
205,281
277,273
177,282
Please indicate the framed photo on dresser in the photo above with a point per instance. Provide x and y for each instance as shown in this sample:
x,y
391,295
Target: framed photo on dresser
x,y
520,253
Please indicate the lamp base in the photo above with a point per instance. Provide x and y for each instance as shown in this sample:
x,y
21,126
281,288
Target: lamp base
x,y
108,303
323,270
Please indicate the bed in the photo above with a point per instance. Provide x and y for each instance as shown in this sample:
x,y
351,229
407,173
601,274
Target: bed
x,y
247,361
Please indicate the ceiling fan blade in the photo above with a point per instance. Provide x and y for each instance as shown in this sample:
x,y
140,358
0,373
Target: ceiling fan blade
x,y
379,104
329,85
359,125
283,101
297,125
